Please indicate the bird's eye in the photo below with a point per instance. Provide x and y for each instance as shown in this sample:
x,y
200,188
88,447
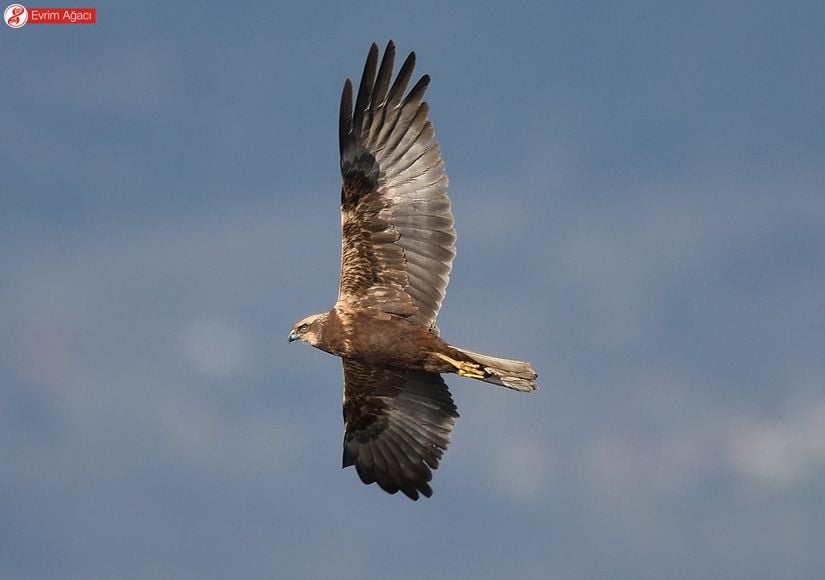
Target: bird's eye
x,y
302,328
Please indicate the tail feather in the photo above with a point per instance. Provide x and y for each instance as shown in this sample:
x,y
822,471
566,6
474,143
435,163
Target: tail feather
x,y
505,372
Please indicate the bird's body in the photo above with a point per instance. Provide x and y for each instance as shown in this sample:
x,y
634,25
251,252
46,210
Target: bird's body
x,y
376,338
397,249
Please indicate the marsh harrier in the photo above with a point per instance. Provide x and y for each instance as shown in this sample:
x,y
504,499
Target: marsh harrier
x,y
397,250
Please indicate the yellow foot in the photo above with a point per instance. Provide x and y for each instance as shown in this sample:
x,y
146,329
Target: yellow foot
x,y
464,369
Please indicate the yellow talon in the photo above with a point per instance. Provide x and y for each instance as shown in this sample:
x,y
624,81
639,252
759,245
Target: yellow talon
x,y
452,361
473,373
464,369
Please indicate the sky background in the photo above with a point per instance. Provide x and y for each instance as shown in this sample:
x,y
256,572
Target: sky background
x,y
638,191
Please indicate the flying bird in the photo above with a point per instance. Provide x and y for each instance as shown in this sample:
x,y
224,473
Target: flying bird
x,y
397,249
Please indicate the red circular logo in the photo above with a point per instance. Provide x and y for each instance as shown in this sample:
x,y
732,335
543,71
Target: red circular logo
x,y
16,15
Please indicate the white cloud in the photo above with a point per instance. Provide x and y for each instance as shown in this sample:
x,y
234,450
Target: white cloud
x,y
780,452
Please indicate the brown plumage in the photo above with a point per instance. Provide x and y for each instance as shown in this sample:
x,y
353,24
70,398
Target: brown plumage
x,y
397,249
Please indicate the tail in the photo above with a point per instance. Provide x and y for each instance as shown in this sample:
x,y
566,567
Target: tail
x,y
504,372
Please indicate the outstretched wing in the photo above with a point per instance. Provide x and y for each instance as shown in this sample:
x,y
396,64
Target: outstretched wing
x,y
398,240
397,426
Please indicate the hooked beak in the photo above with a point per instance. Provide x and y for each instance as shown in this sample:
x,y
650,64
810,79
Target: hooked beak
x,y
293,336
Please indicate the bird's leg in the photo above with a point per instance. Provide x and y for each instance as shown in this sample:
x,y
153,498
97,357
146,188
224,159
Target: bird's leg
x,y
464,369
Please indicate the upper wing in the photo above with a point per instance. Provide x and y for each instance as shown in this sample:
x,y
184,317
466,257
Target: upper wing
x,y
397,426
398,240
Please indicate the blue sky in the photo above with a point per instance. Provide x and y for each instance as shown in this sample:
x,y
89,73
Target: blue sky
x,y
640,212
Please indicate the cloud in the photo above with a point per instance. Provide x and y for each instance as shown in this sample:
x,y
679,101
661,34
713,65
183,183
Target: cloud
x,y
780,453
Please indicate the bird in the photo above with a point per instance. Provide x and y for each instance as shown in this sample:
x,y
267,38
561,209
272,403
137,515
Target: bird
x,y
397,249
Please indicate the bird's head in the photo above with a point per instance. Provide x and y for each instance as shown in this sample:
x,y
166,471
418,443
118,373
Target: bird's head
x,y
308,330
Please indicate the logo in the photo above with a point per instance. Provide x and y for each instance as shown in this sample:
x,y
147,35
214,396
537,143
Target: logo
x,y
16,15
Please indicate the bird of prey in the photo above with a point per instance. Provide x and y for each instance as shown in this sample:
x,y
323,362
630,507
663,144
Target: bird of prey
x,y
397,250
